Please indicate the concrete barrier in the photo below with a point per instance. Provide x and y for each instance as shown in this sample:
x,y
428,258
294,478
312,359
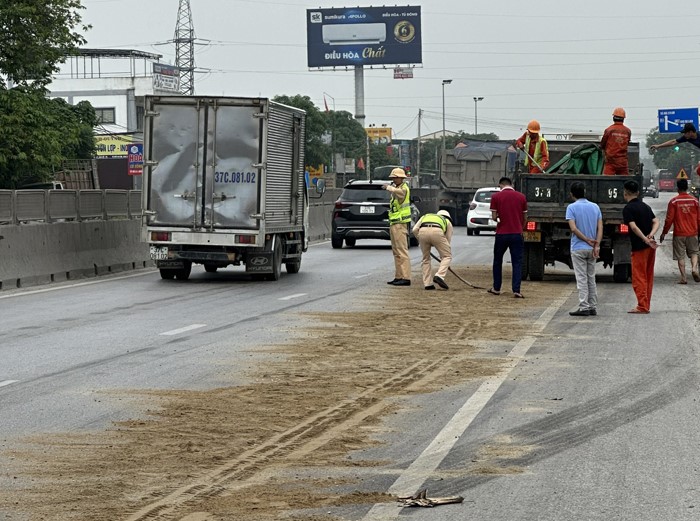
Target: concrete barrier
x,y
41,253
33,254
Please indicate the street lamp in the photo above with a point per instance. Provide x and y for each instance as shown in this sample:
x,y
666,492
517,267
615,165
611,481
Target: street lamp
x,y
476,100
444,82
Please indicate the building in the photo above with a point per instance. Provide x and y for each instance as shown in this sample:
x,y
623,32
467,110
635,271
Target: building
x,y
114,82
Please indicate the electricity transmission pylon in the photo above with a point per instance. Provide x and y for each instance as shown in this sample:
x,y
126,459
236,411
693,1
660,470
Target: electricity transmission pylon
x,y
184,47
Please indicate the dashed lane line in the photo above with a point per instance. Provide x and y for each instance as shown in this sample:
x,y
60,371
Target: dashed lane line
x,y
183,329
291,297
8,382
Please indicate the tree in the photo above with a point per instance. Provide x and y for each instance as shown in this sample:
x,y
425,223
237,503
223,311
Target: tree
x,y
347,135
37,134
35,36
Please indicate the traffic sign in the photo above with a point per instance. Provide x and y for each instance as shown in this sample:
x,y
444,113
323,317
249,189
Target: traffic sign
x,y
671,121
682,174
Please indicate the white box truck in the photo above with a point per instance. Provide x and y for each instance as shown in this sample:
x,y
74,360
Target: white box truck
x,y
224,184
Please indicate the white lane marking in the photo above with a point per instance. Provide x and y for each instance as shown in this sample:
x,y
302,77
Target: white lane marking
x,y
429,460
76,285
362,276
8,382
183,329
290,297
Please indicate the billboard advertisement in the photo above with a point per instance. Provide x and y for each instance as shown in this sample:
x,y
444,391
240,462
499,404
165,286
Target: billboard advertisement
x,y
340,37
381,135
135,159
166,77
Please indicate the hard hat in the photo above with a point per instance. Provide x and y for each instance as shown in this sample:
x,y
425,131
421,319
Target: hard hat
x,y
397,172
533,126
445,214
619,112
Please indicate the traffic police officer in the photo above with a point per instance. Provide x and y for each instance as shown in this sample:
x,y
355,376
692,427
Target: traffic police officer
x,y
399,219
435,230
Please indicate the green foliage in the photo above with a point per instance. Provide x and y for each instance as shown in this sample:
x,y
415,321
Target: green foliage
x,y
348,135
37,134
685,157
35,36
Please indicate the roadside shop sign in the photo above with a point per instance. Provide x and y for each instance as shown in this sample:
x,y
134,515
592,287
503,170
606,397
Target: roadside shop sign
x,y
135,159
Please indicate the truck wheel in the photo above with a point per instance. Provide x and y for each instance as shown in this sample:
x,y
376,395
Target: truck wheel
x,y
535,262
621,272
293,266
210,268
167,274
276,261
184,273
336,242
350,242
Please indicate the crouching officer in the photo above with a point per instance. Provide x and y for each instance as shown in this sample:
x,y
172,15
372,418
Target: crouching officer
x,y
435,230
399,219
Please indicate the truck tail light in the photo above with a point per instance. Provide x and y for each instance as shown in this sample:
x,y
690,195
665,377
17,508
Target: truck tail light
x,y
531,226
624,228
160,236
245,239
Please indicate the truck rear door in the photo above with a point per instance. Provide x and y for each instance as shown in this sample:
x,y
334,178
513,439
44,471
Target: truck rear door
x,y
202,155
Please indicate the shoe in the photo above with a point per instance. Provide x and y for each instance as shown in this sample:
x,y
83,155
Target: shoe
x,y
696,276
430,287
402,282
580,313
393,281
440,282
637,311
518,295
493,292
592,312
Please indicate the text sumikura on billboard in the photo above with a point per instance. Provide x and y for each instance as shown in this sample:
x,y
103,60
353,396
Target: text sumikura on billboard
x,y
363,36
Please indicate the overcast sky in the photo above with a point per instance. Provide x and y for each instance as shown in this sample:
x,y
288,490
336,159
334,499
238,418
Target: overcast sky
x,y
567,64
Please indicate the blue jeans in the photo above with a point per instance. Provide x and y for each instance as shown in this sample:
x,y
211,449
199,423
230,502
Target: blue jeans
x,y
513,242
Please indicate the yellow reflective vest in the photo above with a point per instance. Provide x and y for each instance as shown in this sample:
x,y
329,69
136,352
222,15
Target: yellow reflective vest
x,y
433,218
538,149
400,212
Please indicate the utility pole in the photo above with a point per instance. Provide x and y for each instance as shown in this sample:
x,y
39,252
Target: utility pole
x,y
444,82
369,176
184,47
420,115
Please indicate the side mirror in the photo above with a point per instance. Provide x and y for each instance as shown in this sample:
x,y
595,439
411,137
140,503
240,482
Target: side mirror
x,y
320,186
415,199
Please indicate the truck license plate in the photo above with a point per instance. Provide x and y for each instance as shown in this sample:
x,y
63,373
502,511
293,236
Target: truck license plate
x,y
366,209
532,236
159,252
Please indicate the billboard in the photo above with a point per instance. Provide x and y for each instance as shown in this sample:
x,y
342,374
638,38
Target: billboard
x,y
135,159
379,135
166,77
340,37
112,145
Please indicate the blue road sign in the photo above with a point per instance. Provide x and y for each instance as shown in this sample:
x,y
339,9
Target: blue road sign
x,y
671,121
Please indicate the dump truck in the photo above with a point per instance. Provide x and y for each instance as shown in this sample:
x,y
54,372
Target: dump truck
x,y
548,237
224,184
470,166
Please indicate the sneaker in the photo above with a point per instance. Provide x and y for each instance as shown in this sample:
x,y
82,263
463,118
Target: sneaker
x,y
580,313
592,312
430,287
402,282
440,282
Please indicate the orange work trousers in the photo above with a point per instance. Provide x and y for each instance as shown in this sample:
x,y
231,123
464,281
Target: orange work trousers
x,y
643,276
611,169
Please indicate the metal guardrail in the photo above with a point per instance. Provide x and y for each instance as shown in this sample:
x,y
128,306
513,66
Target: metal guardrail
x,y
23,206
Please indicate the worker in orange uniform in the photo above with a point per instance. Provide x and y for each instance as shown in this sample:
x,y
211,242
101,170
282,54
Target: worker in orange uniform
x,y
614,144
537,157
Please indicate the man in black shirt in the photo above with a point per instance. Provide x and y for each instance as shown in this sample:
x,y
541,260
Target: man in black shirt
x,y
643,224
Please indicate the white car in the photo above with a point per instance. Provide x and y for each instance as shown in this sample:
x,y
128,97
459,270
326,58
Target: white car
x,y
479,215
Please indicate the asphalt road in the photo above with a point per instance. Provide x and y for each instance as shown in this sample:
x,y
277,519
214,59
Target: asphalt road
x,y
603,409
